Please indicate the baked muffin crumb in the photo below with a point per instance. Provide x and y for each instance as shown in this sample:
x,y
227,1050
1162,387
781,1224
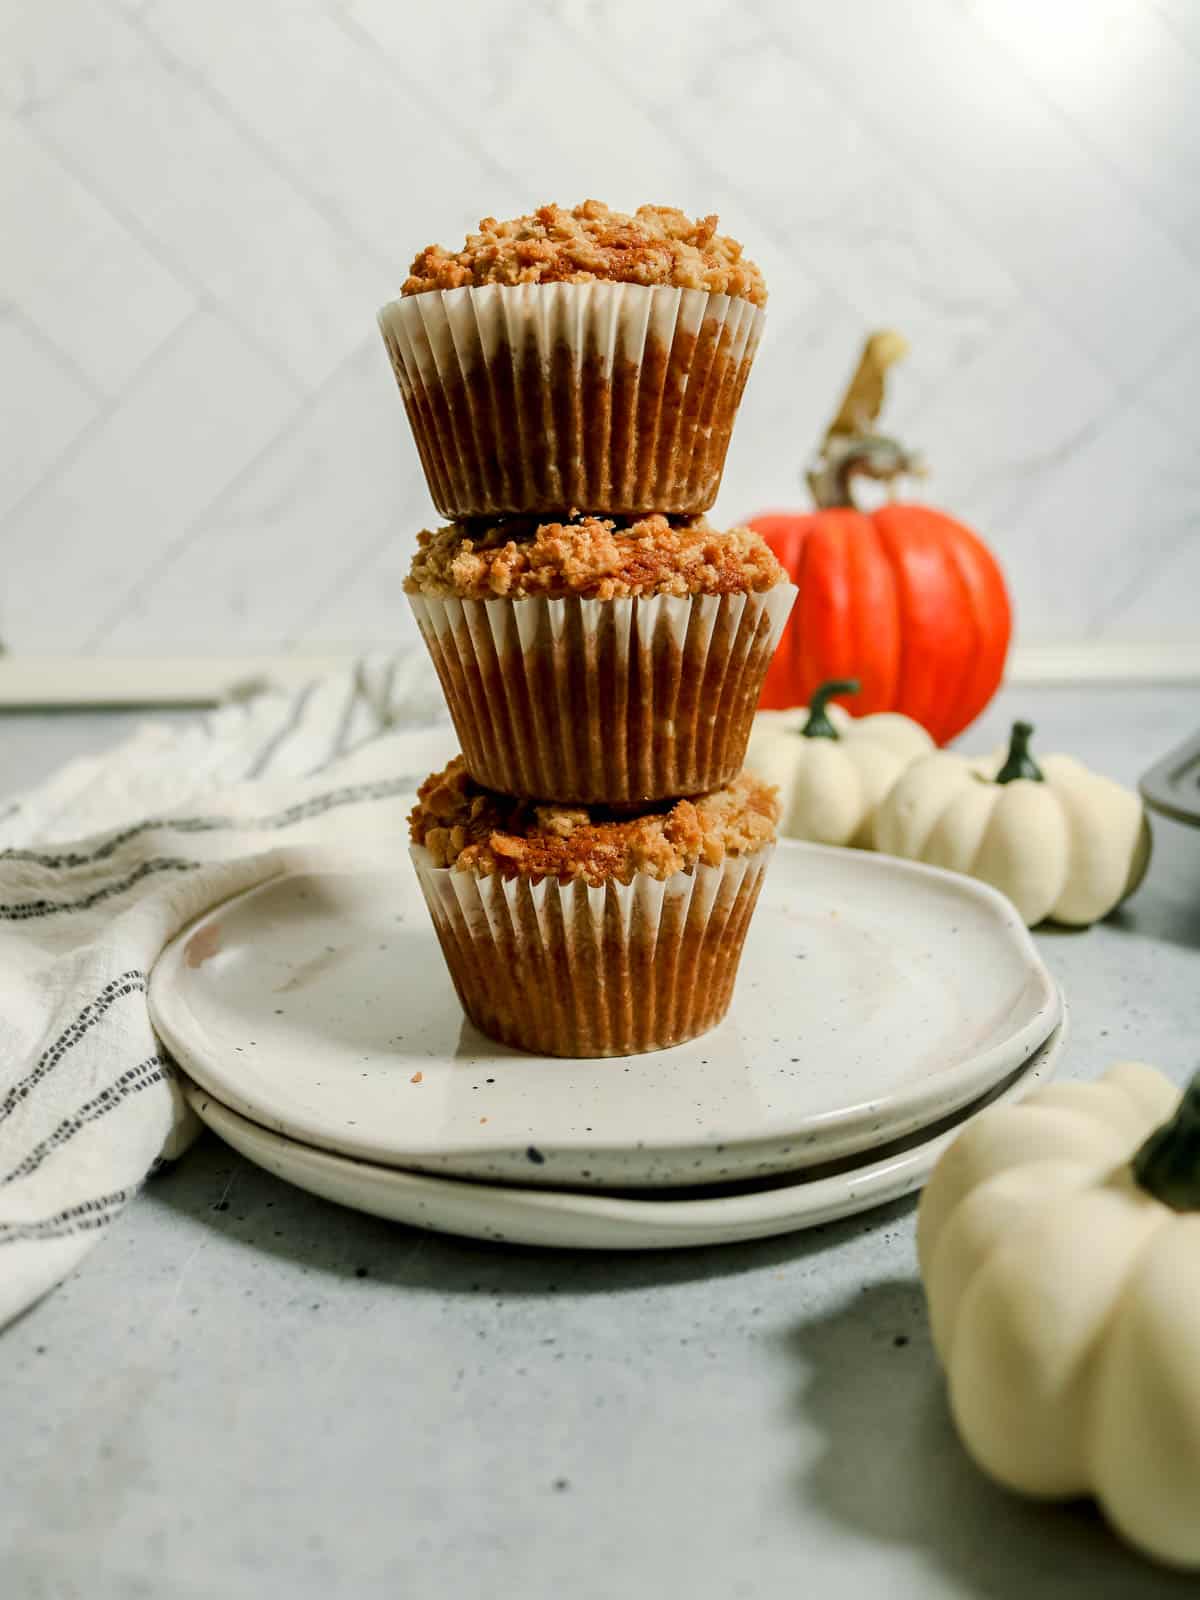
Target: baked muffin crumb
x,y
658,245
595,558
474,830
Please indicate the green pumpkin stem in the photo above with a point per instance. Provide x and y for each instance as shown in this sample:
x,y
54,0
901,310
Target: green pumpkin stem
x,y
818,725
1019,763
1168,1164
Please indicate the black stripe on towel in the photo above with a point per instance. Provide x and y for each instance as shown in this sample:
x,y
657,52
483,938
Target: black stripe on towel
x,y
132,1081
131,982
84,1217
302,811
286,728
28,910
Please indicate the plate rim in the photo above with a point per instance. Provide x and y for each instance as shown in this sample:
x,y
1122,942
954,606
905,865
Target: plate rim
x,y
844,1130
764,1212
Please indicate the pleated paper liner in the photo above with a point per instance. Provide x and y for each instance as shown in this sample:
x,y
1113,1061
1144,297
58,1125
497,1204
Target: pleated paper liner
x,y
604,702
571,970
607,397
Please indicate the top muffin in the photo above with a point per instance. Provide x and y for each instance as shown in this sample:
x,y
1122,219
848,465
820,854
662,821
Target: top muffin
x,y
658,245
576,358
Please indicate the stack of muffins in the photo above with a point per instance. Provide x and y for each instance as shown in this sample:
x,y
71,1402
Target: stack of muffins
x,y
591,861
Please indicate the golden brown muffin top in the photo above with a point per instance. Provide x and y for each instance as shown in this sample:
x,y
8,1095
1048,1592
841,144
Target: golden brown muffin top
x,y
465,826
657,245
596,558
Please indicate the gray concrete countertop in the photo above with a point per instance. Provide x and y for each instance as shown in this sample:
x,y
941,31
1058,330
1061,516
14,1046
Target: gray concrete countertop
x,y
246,1392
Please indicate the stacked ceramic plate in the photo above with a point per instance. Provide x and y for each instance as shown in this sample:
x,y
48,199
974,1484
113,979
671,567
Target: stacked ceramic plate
x,y
880,1005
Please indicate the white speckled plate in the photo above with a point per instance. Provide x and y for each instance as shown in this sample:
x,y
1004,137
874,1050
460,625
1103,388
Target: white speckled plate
x,y
875,997
498,1212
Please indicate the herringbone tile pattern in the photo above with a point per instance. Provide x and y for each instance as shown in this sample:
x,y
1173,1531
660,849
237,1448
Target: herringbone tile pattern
x,y
201,447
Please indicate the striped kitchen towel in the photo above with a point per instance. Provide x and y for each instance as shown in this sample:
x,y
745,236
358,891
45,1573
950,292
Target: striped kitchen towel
x,y
104,863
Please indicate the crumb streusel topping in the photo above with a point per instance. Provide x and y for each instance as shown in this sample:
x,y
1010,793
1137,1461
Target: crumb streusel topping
x,y
596,558
658,245
465,826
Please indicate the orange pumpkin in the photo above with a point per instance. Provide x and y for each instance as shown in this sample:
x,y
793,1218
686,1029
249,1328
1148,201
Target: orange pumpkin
x,y
904,598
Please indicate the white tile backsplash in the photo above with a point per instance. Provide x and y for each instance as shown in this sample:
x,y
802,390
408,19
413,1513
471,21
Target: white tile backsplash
x,y
276,550
201,446
1004,421
51,48
326,102
76,553
1160,602
1182,18
1101,525
1124,86
157,145
968,123
34,440
77,272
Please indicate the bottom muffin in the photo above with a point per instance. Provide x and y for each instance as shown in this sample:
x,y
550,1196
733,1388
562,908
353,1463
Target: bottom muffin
x,y
570,931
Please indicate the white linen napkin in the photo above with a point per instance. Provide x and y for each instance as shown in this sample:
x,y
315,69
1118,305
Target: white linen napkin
x,y
102,865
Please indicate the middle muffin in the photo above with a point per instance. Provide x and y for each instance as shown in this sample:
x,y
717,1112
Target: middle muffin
x,y
599,660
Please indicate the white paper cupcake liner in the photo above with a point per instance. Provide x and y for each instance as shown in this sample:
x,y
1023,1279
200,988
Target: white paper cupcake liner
x,y
612,397
571,970
610,702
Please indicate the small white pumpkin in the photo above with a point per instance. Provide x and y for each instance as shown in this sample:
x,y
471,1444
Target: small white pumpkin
x,y
832,769
1060,1250
1061,842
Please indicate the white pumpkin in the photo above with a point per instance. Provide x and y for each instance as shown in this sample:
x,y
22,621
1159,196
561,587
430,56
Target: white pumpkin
x,y
832,769
1061,842
1060,1249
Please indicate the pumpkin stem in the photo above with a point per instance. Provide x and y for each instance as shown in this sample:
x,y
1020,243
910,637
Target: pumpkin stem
x,y
851,448
831,479
1168,1164
818,725
1019,763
